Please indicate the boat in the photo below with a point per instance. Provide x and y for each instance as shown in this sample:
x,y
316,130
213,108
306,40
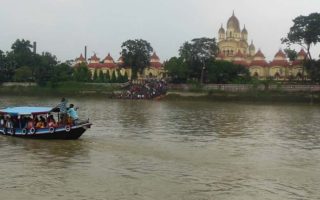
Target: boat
x,y
17,126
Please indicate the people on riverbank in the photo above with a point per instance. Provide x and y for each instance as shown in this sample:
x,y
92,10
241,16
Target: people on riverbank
x,y
149,89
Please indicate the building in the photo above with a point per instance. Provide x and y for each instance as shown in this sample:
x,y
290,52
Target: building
x,y
233,46
108,65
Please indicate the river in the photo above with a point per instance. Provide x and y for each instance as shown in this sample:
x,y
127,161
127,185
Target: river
x,y
169,150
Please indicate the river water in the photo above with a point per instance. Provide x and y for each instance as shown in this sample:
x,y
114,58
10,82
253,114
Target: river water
x,y
169,150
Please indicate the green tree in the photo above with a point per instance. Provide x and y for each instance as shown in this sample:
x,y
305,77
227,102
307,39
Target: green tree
x,y
107,78
120,77
101,76
7,67
223,72
23,74
313,68
44,67
22,53
113,77
125,77
291,54
304,32
196,53
95,75
82,73
61,72
136,54
177,69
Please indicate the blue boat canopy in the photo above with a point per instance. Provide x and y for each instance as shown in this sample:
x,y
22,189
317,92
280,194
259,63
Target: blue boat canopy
x,y
26,110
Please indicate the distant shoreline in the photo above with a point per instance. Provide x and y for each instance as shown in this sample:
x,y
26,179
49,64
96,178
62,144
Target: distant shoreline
x,y
73,89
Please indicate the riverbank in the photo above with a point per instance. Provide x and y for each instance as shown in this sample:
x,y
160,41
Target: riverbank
x,y
61,89
223,93
250,96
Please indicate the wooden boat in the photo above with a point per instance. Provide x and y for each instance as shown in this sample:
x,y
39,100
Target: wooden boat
x,y
17,115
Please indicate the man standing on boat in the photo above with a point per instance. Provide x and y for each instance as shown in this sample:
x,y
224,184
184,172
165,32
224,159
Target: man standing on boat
x,y
63,110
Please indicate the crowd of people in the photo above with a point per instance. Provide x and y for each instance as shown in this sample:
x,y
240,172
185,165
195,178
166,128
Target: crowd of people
x,y
66,116
149,89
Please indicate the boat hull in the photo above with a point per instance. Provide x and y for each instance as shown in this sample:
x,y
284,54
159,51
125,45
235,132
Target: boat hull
x,y
60,133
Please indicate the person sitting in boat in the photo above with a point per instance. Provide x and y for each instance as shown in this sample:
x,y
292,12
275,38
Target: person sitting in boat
x,y
73,113
39,123
43,120
8,123
51,121
29,123
2,123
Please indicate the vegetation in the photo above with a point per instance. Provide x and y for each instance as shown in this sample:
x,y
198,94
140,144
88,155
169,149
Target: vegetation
x,y
291,54
313,68
177,70
21,64
136,54
196,53
223,72
306,32
196,63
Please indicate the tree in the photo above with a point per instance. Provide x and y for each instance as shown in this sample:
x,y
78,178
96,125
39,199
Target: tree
x,y
61,72
125,77
22,53
23,74
107,78
291,54
304,32
113,77
177,69
82,73
196,53
44,67
136,54
120,77
223,72
7,67
95,75
101,76
313,68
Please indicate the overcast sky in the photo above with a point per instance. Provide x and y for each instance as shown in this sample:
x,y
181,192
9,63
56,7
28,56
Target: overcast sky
x,y
64,27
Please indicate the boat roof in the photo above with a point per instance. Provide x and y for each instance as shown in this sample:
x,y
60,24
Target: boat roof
x,y
26,110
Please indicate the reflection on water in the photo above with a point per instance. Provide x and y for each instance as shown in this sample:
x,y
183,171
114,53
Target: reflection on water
x,y
169,150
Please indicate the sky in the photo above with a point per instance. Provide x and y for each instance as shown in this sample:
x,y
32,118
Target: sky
x,y
64,27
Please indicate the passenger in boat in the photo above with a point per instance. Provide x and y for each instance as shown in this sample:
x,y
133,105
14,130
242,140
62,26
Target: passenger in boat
x,y
73,113
39,123
15,122
23,122
29,123
2,123
9,123
43,120
51,121
63,110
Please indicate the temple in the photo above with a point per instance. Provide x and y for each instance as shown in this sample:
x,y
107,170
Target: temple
x,y
108,65
234,47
